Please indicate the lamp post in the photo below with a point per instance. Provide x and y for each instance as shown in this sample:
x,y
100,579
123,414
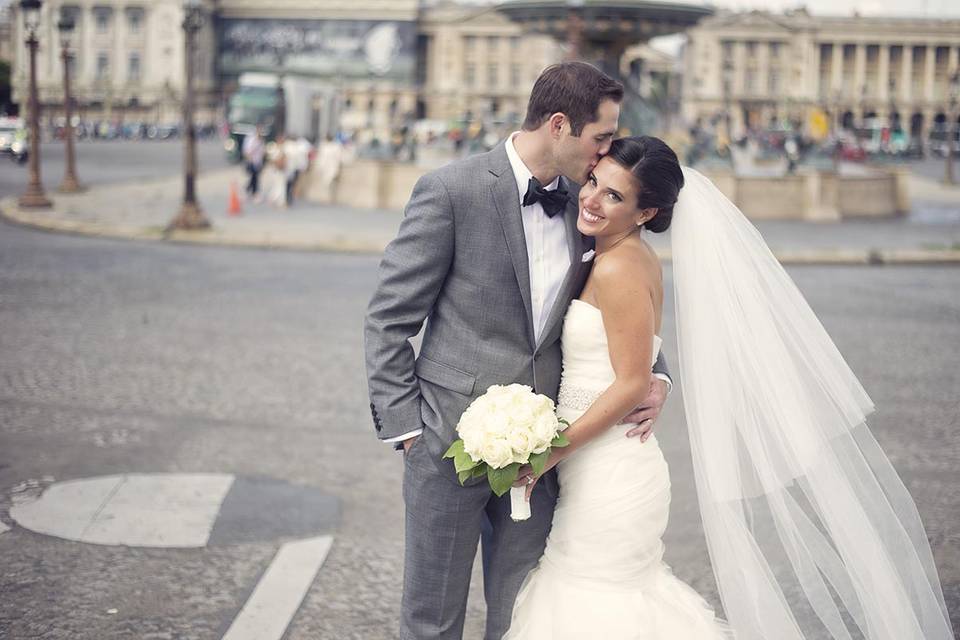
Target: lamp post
x,y
70,183
190,215
33,197
952,125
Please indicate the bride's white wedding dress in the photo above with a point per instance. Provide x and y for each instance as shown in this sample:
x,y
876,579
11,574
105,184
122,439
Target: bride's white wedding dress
x,y
602,574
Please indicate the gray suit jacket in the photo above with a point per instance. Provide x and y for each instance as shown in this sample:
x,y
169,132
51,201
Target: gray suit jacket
x,y
459,262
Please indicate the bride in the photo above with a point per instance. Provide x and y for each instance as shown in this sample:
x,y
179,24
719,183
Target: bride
x,y
811,532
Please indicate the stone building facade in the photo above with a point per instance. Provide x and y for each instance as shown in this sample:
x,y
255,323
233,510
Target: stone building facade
x,y
760,68
127,61
477,63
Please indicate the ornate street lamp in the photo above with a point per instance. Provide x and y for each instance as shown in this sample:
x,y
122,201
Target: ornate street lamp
x,y
70,183
190,215
33,197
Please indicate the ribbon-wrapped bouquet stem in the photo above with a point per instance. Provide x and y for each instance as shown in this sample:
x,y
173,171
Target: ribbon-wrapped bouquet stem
x,y
502,430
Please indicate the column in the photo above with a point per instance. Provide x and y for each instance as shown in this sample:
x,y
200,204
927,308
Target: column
x,y
739,67
906,74
953,53
836,68
859,70
812,84
120,50
929,59
763,68
883,73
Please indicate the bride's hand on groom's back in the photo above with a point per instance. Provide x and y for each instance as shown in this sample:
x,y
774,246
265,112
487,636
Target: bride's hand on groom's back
x,y
649,410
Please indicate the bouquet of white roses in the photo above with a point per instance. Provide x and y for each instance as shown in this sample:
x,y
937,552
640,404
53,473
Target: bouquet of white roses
x,y
505,428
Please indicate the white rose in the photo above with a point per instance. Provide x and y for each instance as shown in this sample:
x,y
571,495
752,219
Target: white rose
x,y
544,431
521,441
497,453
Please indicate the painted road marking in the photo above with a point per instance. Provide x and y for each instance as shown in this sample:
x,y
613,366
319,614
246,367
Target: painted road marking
x,y
137,510
278,595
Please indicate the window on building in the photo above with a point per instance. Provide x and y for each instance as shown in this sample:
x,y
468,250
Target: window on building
x,y
103,66
773,82
469,74
493,75
133,67
515,75
470,44
134,21
103,21
727,47
493,42
774,49
749,81
751,48
514,44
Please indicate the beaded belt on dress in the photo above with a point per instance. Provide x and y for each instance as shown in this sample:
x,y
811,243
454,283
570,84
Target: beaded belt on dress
x,y
576,397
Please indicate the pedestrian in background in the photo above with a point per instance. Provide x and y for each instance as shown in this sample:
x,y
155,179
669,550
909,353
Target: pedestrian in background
x,y
290,150
327,168
254,149
275,178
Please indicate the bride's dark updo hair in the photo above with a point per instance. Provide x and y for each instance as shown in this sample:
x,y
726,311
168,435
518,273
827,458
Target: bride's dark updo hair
x,y
656,168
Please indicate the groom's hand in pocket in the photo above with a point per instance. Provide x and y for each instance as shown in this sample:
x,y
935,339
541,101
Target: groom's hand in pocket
x,y
648,411
407,444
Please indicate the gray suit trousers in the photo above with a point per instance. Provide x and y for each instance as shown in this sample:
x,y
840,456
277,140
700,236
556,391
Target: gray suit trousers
x,y
443,526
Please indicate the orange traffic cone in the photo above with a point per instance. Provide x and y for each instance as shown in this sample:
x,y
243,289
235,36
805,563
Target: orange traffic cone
x,y
234,208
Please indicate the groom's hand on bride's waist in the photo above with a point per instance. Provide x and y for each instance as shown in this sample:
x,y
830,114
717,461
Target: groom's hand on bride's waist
x,y
649,410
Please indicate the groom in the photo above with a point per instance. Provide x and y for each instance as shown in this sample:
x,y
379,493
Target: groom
x,y
489,255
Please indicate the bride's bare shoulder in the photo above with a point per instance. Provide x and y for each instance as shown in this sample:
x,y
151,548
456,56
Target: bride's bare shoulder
x,y
632,262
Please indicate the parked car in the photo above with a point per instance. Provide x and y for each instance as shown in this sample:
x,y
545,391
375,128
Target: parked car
x,y
13,139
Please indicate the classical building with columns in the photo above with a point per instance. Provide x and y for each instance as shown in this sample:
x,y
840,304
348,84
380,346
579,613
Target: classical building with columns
x,y
477,63
127,61
759,69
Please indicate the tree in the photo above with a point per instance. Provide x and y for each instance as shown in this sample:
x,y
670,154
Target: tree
x,y
6,97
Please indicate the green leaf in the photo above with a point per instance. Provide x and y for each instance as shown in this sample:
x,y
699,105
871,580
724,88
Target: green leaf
x,y
455,448
463,462
563,422
479,470
464,475
559,440
502,479
539,462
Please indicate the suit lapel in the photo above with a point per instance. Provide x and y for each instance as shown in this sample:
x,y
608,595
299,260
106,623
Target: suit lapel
x,y
507,200
575,249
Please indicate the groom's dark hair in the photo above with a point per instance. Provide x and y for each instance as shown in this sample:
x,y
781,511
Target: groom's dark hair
x,y
574,89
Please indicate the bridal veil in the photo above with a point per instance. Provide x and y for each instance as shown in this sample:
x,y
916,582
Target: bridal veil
x,y
810,530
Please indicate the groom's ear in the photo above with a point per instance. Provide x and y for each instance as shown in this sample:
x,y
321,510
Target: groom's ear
x,y
555,124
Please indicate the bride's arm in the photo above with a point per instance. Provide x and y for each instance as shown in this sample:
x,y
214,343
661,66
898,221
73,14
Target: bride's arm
x,y
624,294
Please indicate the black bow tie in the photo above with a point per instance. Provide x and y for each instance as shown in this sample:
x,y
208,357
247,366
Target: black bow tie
x,y
553,202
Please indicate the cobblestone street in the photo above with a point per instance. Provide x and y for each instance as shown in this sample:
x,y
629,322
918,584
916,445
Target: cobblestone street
x,y
121,357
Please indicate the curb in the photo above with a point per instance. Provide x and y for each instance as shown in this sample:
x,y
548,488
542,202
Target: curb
x,y
43,220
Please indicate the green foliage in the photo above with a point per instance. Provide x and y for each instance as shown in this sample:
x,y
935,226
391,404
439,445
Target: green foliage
x,y
538,461
5,88
502,479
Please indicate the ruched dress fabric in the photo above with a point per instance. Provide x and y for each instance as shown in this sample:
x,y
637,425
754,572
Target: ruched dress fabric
x,y
602,573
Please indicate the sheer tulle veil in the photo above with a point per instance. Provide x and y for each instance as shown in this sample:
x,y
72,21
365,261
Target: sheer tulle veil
x,y
810,530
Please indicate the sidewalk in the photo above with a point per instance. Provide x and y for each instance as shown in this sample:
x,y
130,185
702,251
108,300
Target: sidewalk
x,y
930,234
